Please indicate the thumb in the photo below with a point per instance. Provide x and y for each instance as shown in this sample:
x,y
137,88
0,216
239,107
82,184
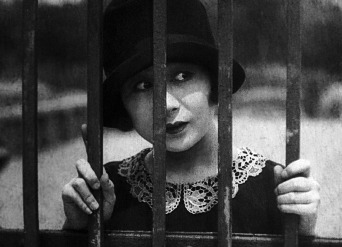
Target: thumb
x,y
109,197
277,174
107,187
84,134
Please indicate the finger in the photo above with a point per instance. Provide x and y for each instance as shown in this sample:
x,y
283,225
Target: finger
x,y
107,188
69,195
277,174
85,171
299,198
297,168
300,209
82,189
84,134
298,184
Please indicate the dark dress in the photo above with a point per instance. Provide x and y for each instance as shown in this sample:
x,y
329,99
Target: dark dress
x,y
254,203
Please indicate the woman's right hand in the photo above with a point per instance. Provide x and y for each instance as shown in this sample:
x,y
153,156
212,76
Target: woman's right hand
x,y
79,202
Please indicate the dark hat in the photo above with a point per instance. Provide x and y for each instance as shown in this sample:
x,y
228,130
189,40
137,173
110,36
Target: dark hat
x,y
128,28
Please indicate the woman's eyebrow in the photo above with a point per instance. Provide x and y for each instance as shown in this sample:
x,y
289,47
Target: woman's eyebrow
x,y
129,85
143,75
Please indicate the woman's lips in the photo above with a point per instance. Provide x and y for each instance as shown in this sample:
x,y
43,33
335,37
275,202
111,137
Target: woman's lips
x,y
175,127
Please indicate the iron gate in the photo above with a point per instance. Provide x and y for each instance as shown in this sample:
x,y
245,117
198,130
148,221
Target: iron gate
x,y
31,236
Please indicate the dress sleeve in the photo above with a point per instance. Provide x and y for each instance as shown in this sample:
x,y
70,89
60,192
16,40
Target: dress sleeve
x,y
121,192
255,206
128,213
275,215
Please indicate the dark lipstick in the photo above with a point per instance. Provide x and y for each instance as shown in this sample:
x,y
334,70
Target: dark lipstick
x,y
175,127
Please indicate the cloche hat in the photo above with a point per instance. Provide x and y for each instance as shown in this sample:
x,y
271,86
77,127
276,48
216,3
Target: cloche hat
x,y
127,47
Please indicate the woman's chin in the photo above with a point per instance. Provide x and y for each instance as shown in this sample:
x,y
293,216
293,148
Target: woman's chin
x,y
179,146
176,149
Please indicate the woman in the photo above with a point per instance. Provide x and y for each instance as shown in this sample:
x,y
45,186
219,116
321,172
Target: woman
x,y
262,189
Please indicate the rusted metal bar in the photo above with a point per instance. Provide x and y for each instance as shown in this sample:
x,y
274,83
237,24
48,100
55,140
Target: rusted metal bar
x,y
225,74
30,137
159,123
53,238
94,111
293,106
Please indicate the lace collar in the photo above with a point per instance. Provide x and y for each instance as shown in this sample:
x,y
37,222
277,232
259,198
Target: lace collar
x,y
198,197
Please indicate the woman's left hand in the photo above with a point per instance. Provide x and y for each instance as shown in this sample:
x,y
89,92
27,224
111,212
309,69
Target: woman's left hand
x,y
298,193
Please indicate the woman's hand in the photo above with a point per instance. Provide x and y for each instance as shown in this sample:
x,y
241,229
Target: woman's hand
x,y
78,200
298,193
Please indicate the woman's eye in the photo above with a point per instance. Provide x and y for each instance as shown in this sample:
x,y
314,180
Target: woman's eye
x,y
143,85
182,76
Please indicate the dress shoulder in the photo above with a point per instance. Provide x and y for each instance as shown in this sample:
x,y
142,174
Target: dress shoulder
x,y
125,167
128,213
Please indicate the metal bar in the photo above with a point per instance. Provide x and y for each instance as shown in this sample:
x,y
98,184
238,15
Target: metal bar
x,y
159,124
94,111
293,106
29,115
225,45
57,238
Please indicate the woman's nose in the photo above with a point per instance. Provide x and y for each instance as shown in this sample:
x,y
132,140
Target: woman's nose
x,y
172,104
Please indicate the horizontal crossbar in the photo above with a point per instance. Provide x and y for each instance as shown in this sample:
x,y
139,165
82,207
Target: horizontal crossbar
x,y
59,238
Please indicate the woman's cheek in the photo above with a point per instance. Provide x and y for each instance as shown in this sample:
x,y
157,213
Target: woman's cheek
x,y
142,117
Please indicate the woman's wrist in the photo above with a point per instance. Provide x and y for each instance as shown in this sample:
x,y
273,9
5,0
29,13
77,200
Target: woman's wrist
x,y
307,225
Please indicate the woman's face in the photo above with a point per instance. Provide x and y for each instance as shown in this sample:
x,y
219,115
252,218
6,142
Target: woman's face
x,y
189,114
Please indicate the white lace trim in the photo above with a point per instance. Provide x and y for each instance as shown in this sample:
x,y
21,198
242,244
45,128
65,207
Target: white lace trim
x,y
198,197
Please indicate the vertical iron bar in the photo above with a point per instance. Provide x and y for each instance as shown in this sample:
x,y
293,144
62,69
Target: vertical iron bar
x,y
293,106
94,111
29,108
225,45
159,124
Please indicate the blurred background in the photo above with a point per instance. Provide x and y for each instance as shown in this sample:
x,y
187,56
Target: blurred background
x,y
259,107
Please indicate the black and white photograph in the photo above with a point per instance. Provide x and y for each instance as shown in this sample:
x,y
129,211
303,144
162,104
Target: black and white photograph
x,y
170,123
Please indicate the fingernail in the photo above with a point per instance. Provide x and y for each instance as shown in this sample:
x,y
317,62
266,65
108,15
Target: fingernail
x,y
276,191
88,211
96,186
94,205
284,174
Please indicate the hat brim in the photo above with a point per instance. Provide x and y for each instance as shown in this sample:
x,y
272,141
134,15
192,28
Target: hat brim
x,y
178,50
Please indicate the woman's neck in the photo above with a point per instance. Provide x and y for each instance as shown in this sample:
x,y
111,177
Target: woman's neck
x,y
201,158
196,163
